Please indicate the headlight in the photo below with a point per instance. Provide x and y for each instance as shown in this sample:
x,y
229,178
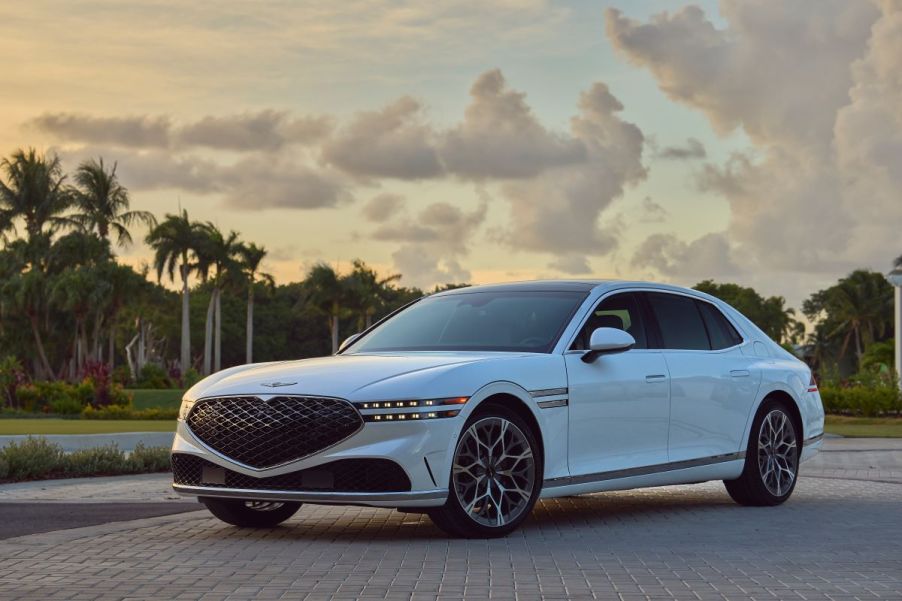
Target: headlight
x,y
185,409
410,410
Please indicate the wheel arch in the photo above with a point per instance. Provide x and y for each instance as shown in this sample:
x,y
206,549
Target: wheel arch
x,y
518,406
791,402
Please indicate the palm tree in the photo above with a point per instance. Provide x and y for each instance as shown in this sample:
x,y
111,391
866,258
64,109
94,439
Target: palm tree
x,y
327,292
219,253
26,292
368,292
251,257
175,240
103,203
34,192
861,305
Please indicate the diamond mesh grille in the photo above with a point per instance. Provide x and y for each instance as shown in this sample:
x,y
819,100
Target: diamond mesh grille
x,y
266,432
344,475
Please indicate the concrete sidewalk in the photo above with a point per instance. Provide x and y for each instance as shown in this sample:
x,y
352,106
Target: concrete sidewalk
x,y
73,442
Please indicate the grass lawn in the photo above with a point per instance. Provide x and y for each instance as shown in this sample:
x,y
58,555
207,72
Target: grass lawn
x,y
865,427
145,398
83,426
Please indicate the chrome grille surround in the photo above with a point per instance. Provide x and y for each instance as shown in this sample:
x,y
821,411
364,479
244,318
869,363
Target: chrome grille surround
x,y
266,432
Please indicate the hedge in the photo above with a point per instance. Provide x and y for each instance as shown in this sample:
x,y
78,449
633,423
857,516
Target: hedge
x,y
35,458
867,401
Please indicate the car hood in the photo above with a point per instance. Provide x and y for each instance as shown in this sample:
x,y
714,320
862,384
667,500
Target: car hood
x,y
367,376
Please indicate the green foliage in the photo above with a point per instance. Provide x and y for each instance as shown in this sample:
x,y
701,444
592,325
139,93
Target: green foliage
x,y
66,406
867,401
94,461
770,314
32,458
11,376
117,412
849,317
36,457
153,376
29,398
879,357
191,377
163,399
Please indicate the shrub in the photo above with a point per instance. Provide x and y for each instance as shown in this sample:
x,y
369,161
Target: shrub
x,y
119,397
149,459
153,376
82,393
119,412
97,461
867,401
192,377
121,375
66,406
54,392
4,467
11,377
29,397
32,458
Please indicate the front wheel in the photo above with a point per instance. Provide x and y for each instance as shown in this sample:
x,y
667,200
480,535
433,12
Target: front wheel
x,y
496,476
250,514
772,459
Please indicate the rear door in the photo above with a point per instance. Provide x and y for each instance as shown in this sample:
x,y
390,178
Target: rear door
x,y
619,403
712,384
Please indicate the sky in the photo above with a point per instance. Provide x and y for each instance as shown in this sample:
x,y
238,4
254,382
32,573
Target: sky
x,y
755,141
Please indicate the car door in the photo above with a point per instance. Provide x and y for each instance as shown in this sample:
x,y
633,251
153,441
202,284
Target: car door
x,y
712,384
619,403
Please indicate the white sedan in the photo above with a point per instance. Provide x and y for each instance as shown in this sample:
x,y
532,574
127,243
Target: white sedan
x,y
471,404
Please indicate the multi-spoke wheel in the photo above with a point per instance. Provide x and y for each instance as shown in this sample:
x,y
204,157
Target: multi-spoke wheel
x,y
250,514
772,459
495,476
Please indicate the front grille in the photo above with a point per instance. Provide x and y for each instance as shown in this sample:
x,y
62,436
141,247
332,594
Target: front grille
x,y
344,475
262,433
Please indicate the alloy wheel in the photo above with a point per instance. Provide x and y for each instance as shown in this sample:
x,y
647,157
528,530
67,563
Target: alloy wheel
x,y
494,472
777,453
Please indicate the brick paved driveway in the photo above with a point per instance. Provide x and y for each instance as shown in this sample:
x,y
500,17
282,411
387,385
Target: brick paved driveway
x,y
836,539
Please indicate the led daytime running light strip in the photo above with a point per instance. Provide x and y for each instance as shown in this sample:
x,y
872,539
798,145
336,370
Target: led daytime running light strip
x,y
408,404
409,417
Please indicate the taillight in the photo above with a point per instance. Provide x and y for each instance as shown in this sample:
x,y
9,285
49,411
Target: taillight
x,y
812,385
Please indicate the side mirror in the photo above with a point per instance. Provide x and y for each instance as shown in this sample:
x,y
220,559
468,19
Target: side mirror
x,y
348,341
607,341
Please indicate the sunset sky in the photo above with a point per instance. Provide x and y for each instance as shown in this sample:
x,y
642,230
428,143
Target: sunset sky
x,y
756,141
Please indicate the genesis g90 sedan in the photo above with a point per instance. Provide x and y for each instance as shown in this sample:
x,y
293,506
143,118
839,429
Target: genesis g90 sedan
x,y
470,405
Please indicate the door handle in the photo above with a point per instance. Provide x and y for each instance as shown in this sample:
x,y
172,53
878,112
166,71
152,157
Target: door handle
x,y
740,373
651,379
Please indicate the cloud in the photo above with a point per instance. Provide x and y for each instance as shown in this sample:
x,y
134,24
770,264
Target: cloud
x,y
383,207
500,137
558,211
572,264
818,191
392,143
142,131
264,130
692,150
706,257
432,242
261,182
653,212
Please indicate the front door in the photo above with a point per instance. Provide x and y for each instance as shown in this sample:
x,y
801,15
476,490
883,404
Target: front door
x,y
619,403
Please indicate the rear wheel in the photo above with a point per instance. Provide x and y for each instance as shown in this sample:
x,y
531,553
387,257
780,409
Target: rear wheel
x,y
495,476
772,459
250,514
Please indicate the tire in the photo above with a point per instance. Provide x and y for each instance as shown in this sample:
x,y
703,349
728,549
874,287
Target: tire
x,y
772,458
250,514
512,481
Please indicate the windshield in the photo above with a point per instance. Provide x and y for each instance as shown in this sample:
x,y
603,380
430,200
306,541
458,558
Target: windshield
x,y
476,321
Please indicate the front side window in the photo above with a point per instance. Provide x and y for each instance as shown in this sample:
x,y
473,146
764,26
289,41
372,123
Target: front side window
x,y
679,321
476,321
621,311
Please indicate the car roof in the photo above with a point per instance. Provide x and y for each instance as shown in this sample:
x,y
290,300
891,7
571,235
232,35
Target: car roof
x,y
586,285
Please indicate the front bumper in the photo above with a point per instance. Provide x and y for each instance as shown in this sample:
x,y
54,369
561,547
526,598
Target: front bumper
x,y
421,449
425,498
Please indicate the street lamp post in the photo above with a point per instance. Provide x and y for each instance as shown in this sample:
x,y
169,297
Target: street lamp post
x,y
895,278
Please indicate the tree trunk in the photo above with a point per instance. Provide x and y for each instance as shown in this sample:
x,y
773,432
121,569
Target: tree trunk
x,y
112,346
249,330
334,334
217,345
186,326
208,334
45,365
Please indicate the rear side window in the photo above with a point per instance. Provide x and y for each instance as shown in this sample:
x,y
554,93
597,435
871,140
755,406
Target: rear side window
x,y
720,331
679,321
